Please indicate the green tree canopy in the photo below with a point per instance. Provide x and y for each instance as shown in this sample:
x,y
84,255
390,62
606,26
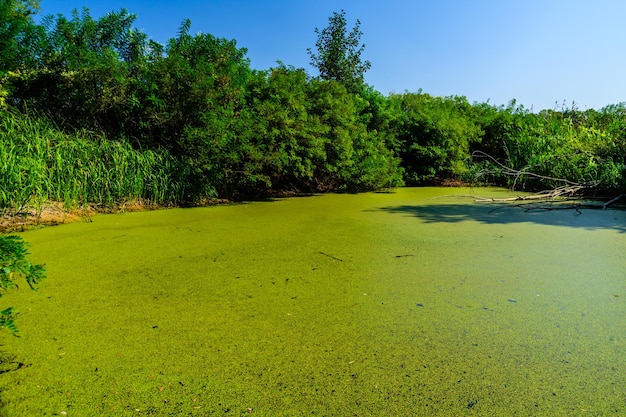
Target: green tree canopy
x,y
15,27
338,54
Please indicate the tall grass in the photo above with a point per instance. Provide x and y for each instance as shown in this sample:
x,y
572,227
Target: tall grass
x,y
564,153
39,163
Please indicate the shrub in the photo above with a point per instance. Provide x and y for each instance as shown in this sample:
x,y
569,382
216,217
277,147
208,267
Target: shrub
x,y
13,266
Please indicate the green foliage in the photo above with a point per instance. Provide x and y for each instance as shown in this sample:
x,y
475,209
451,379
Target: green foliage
x,y
434,136
286,138
14,264
355,158
16,30
80,70
121,117
338,54
193,104
563,147
38,163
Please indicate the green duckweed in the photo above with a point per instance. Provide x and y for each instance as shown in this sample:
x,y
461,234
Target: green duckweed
x,y
373,304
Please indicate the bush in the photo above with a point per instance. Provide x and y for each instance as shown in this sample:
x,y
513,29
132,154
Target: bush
x,y
13,266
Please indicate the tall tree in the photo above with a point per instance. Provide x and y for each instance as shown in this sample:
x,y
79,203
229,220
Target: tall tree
x,y
15,24
81,71
338,54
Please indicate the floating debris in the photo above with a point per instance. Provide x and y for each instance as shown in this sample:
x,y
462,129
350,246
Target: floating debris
x,y
331,256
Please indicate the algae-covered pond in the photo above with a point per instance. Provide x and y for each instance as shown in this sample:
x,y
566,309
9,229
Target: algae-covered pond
x,y
373,304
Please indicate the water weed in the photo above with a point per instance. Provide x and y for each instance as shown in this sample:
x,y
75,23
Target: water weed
x,y
371,304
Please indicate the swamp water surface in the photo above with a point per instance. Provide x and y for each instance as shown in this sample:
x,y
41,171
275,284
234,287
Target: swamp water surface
x,y
377,304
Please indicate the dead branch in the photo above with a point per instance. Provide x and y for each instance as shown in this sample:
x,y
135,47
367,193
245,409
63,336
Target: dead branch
x,y
517,173
562,193
331,256
568,196
613,201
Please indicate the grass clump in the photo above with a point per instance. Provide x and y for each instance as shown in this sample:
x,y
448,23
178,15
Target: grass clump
x,y
40,164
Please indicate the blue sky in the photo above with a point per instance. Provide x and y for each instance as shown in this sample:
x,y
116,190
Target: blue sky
x,y
543,53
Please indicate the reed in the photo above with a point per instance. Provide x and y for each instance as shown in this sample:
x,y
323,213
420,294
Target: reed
x,y
40,164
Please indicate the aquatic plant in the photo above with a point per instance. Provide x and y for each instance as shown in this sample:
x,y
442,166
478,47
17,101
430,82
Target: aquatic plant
x,y
389,301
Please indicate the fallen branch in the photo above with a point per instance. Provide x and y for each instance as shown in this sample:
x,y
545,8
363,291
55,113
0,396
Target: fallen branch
x,y
613,201
570,190
517,173
331,256
565,193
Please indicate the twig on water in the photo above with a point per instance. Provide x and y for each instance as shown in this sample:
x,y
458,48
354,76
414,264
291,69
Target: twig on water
x,y
331,256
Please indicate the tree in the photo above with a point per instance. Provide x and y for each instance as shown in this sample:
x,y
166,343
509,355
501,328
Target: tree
x,y
338,53
197,107
434,136
16,32
79,70
286,138
15,24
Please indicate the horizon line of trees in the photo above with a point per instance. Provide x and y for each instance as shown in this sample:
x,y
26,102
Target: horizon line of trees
x,y
190,120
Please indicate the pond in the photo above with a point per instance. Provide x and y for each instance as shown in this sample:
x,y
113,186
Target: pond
x,y
412,302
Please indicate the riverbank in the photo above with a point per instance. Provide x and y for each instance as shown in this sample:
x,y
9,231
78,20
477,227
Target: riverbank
x,y
50,215
54,214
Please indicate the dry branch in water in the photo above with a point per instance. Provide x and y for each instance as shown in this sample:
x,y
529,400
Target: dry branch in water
x,y
519,173
570,191
566,192
613,201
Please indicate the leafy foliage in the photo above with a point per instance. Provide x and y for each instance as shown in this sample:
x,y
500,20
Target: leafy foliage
x,y
16,31
338,54
38,163
80,70
93,111
434,136
13,265
560,146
